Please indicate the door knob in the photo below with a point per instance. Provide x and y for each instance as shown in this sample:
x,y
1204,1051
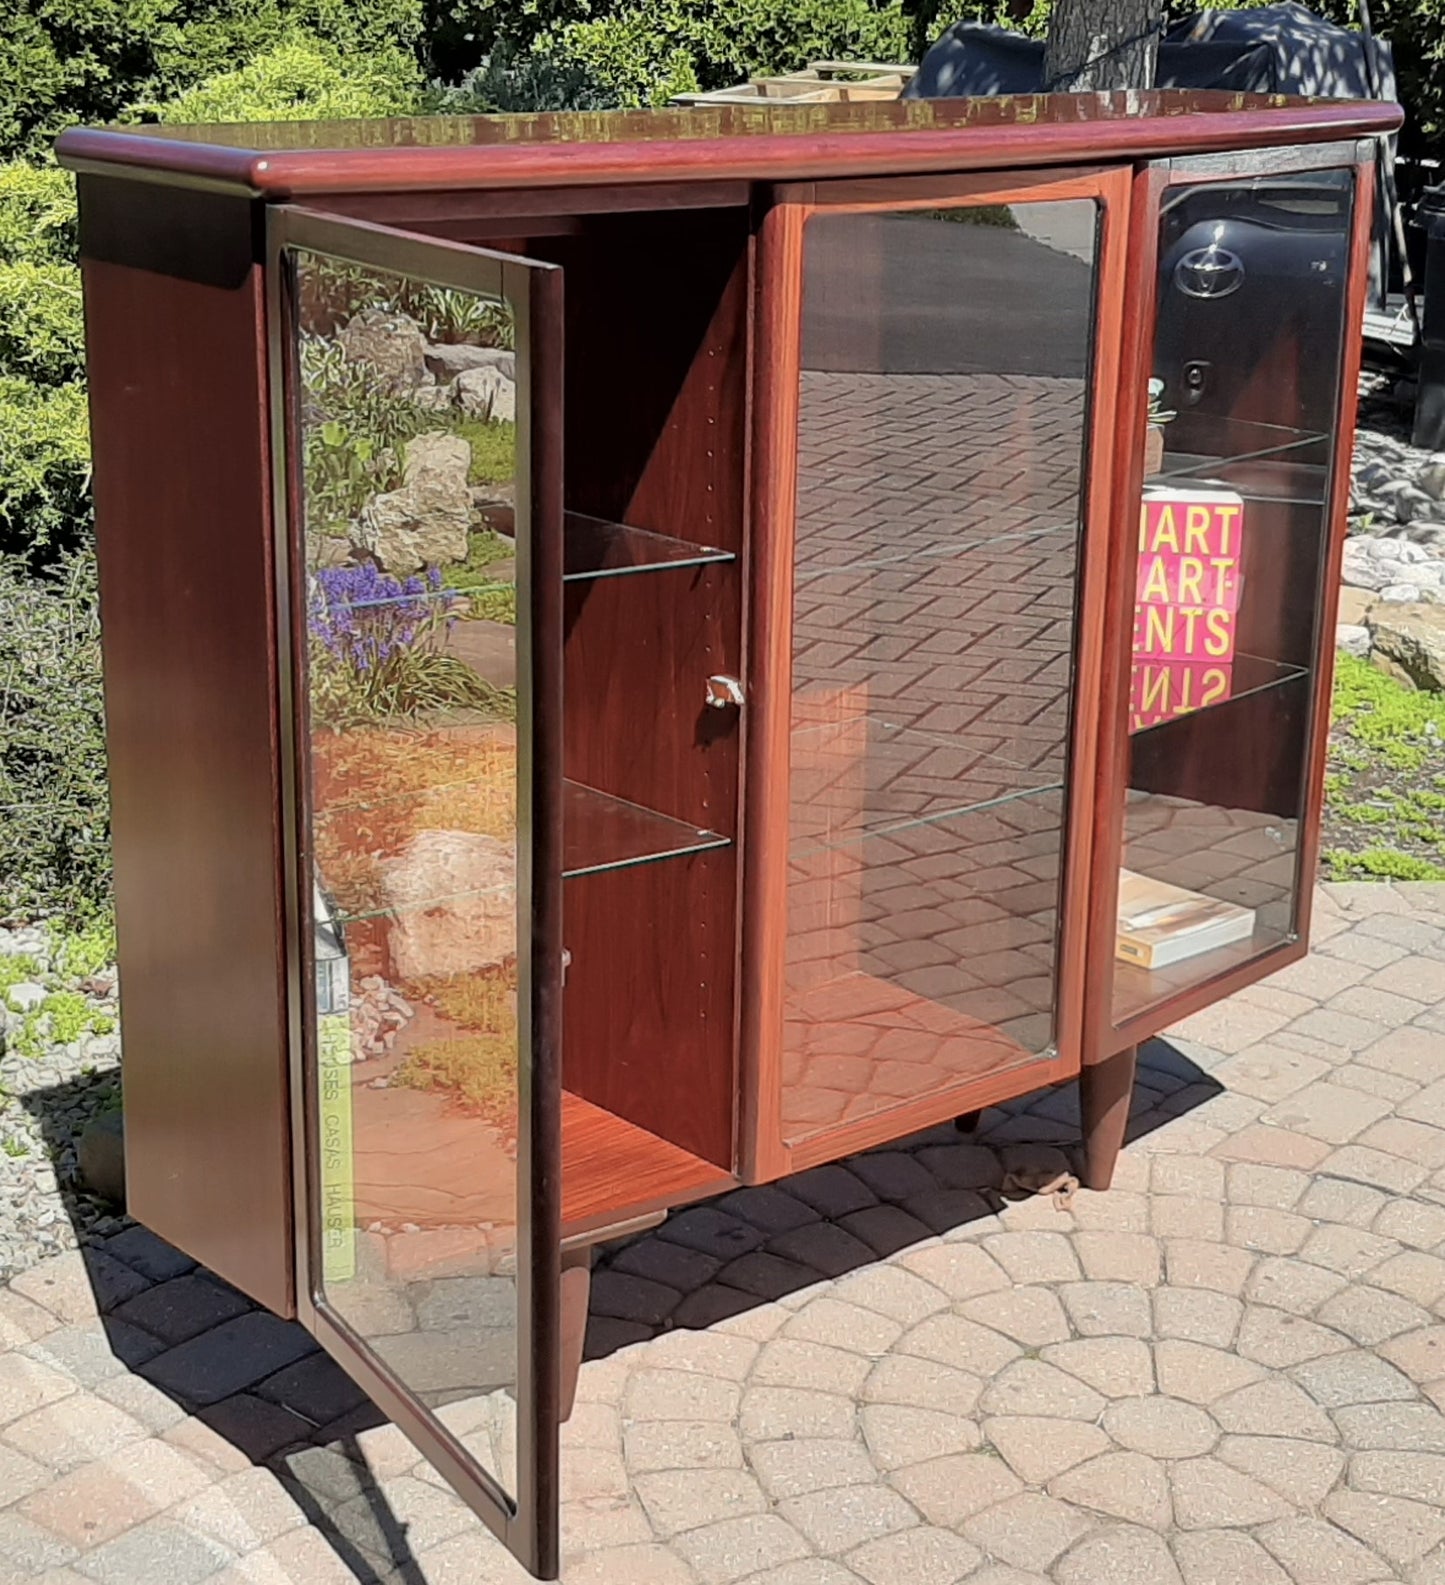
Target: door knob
x,y
723,692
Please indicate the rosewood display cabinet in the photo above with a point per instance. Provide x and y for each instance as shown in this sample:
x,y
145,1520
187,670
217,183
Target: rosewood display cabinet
x,y
650,651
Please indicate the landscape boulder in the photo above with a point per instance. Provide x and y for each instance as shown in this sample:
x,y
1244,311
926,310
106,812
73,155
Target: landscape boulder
x,y
391,344
488,393
424,523
453,895
447,360
1354,639
1412,638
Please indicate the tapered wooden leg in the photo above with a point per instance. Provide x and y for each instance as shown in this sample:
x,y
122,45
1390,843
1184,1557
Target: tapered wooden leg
x,y
576,1290
1105,1090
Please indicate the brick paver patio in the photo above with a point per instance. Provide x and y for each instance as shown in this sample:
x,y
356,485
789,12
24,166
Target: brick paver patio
x,y
1229,1370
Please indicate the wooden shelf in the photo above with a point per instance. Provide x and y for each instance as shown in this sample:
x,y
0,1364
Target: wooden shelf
x,y
613,1170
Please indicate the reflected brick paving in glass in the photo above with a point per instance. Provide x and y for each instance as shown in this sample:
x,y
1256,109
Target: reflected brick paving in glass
x,y
1229,1368
933,631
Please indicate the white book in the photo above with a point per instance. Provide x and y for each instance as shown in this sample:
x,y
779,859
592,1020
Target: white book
x,y
1160,924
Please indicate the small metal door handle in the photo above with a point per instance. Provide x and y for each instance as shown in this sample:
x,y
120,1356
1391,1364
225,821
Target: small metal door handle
x,y
723,692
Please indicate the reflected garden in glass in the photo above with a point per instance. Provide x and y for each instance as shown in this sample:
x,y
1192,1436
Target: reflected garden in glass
x,y
407,479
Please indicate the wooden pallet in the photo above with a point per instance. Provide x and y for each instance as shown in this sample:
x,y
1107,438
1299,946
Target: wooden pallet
x,y
820,82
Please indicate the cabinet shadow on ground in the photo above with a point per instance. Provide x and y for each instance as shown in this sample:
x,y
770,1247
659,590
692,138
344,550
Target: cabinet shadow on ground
x,y
263,1393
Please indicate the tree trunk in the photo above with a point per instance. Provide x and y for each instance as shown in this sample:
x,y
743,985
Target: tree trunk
x,y
1100,44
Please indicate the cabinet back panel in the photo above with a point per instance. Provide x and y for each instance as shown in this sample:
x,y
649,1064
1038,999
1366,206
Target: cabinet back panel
x,y
174,306
657,352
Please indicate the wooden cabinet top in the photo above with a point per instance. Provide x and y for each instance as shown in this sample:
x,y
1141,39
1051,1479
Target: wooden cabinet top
x,y
764,142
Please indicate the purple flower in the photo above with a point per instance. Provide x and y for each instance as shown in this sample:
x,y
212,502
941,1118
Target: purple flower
x,y
365,618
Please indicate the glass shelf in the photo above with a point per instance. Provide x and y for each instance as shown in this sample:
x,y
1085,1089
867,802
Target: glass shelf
x,y
1261,462
600,832
592,547
1251,674
596,547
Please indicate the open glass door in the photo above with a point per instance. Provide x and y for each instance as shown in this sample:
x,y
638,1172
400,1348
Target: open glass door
x,y
1254,269
419,398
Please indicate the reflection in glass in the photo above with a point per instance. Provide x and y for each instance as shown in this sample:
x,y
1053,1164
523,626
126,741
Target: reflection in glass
x,y
1233,532
943,406
408,445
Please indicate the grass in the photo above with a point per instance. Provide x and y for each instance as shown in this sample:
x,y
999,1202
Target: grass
x,y
494,450
478,1069
1385,786
488,596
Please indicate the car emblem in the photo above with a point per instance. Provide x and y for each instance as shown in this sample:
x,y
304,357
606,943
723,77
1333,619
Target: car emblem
x,y
1209,272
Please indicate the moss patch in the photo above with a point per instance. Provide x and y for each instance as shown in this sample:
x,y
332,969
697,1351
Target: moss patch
x,y
1385,786
494,450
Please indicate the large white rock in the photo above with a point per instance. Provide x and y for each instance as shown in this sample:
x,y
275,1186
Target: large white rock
x,y
487,393
1360,569
1413,636
1400,594
447,360
1353,640
423,523
391,344
25,996
454,897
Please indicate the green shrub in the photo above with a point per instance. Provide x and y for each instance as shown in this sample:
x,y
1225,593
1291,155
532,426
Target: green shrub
x,y
42,328
647,50
76,953
54,808
300,78
44,468
68,61
37,214
517,80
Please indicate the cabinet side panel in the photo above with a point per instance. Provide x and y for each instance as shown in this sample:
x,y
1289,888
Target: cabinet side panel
x,y
176,353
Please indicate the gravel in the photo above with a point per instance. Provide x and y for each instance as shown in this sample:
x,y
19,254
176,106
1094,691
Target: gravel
x,y
49,1090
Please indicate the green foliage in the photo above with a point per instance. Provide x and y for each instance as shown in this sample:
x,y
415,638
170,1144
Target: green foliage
x,y
79,952
61,1019
355,433
42,329
494,449
644,51
68,61
478,1069
416,680
44,467
54,807
16,971
1386,780
1381,863
37,214
511,81
496,602
489,598
1402,725
300,78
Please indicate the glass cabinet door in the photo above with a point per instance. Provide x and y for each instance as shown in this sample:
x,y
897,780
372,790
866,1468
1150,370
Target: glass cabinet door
x,y
1250,293
420,388
948,384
